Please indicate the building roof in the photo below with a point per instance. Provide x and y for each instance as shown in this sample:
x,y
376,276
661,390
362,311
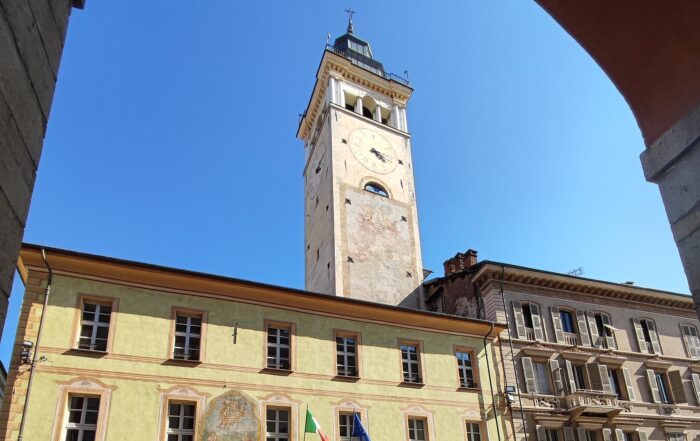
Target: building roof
x,y
126,272
487,270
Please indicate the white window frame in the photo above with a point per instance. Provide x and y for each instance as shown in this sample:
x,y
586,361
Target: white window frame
x,y
345,368
189,337
95,324
82,426
473,435
277,435
410,369
412,427
278,346
465,368
180,431
349,425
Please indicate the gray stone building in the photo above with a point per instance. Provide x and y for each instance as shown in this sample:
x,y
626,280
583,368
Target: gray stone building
x,y
32,33
584,360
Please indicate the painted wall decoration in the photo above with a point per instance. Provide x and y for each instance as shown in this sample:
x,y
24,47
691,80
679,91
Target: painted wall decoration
x,y
232,416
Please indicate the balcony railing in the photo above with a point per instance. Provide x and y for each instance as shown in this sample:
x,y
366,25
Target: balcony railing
x,y
530,334
592,400
366,62
570,339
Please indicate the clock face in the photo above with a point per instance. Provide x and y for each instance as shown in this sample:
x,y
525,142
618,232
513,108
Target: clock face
x,y
372,150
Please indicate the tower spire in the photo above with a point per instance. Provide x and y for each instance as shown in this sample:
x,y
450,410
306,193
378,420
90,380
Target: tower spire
x,y
350,12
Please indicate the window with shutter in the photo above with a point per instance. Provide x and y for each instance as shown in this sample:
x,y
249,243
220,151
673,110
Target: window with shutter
x,y
583,335
529,374
556,322
608,333
607,435
536,318
696,388
639,333
595,377
593,329
619,435
691,340
519,319
653,386
654,336
557,377
628,384
541,433
674,377
569,434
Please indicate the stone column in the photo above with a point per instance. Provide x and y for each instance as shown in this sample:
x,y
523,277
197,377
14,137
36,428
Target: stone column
x,y
32,34
378,114
358,105
673,162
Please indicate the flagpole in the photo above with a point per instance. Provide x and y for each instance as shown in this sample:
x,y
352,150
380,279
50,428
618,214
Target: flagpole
x,y
353,421
306,416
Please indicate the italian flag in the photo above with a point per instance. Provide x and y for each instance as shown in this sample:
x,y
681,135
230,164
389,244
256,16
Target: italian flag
x,y
312,426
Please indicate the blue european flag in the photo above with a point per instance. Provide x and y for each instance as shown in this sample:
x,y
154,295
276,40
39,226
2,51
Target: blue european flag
x,y
359,431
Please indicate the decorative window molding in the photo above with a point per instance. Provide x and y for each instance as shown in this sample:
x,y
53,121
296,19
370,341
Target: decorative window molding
x,y
274,351
647,336
281,401
691,339
187,332
181,394
344,354
91,322
418,412
86,387
529,324
348,407
473,417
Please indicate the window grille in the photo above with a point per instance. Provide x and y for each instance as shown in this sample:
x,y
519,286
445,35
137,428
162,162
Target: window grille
x,y
188,330
181,422
466,372
411,364
278,345
94,326
346,355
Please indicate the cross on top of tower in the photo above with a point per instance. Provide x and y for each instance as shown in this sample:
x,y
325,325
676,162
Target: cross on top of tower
x,y
350,12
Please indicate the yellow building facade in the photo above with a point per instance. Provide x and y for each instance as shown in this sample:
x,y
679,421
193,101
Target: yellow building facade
x,y
129,350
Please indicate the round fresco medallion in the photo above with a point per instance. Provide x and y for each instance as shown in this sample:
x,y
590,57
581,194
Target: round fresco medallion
x,y
232,416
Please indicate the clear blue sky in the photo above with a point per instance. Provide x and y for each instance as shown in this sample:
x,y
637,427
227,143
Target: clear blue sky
x,y
172,139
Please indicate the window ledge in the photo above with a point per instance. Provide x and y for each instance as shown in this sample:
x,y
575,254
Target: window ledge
x,y
87,352
346,378
469,389
411,384
275,371
181,362
658,364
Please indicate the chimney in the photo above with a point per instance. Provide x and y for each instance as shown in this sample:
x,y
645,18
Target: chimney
x,y
460,261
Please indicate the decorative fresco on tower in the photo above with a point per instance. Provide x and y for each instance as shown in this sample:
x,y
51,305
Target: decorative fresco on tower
x,y
232,416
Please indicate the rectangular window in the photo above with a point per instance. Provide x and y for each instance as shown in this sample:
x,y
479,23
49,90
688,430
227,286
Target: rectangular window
x,y
346,355
278,347
188,336
94,326
277,424
614,380
473,432
527,315
579,377
464,367
542,378
346,423
567,321
83,412
181,421
691,339
589,435
410,360
416,429
663,389
552,434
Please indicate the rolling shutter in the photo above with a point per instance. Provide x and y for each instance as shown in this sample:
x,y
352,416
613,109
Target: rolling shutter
x,y
537,322
519,320
541,433
556,321
639,333
529,374
651,378
570,379
569,434
611,339
696,388
674,377
557,377
654,337
593,329
582,326
642,435
628,384
607,435
581,432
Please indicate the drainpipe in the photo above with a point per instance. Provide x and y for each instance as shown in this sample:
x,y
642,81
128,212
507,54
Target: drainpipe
x,y
493,396
512,358
32,366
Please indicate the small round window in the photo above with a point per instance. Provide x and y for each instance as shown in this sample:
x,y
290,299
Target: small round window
x,y
376,189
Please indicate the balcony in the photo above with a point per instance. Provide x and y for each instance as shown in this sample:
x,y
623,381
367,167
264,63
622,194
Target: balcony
x,y
592,401
571,339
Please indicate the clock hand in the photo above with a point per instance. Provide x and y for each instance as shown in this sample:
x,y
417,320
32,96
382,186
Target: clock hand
x,y
378,154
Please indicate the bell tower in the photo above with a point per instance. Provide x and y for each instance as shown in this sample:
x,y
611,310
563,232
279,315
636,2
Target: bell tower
x,y
361,225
